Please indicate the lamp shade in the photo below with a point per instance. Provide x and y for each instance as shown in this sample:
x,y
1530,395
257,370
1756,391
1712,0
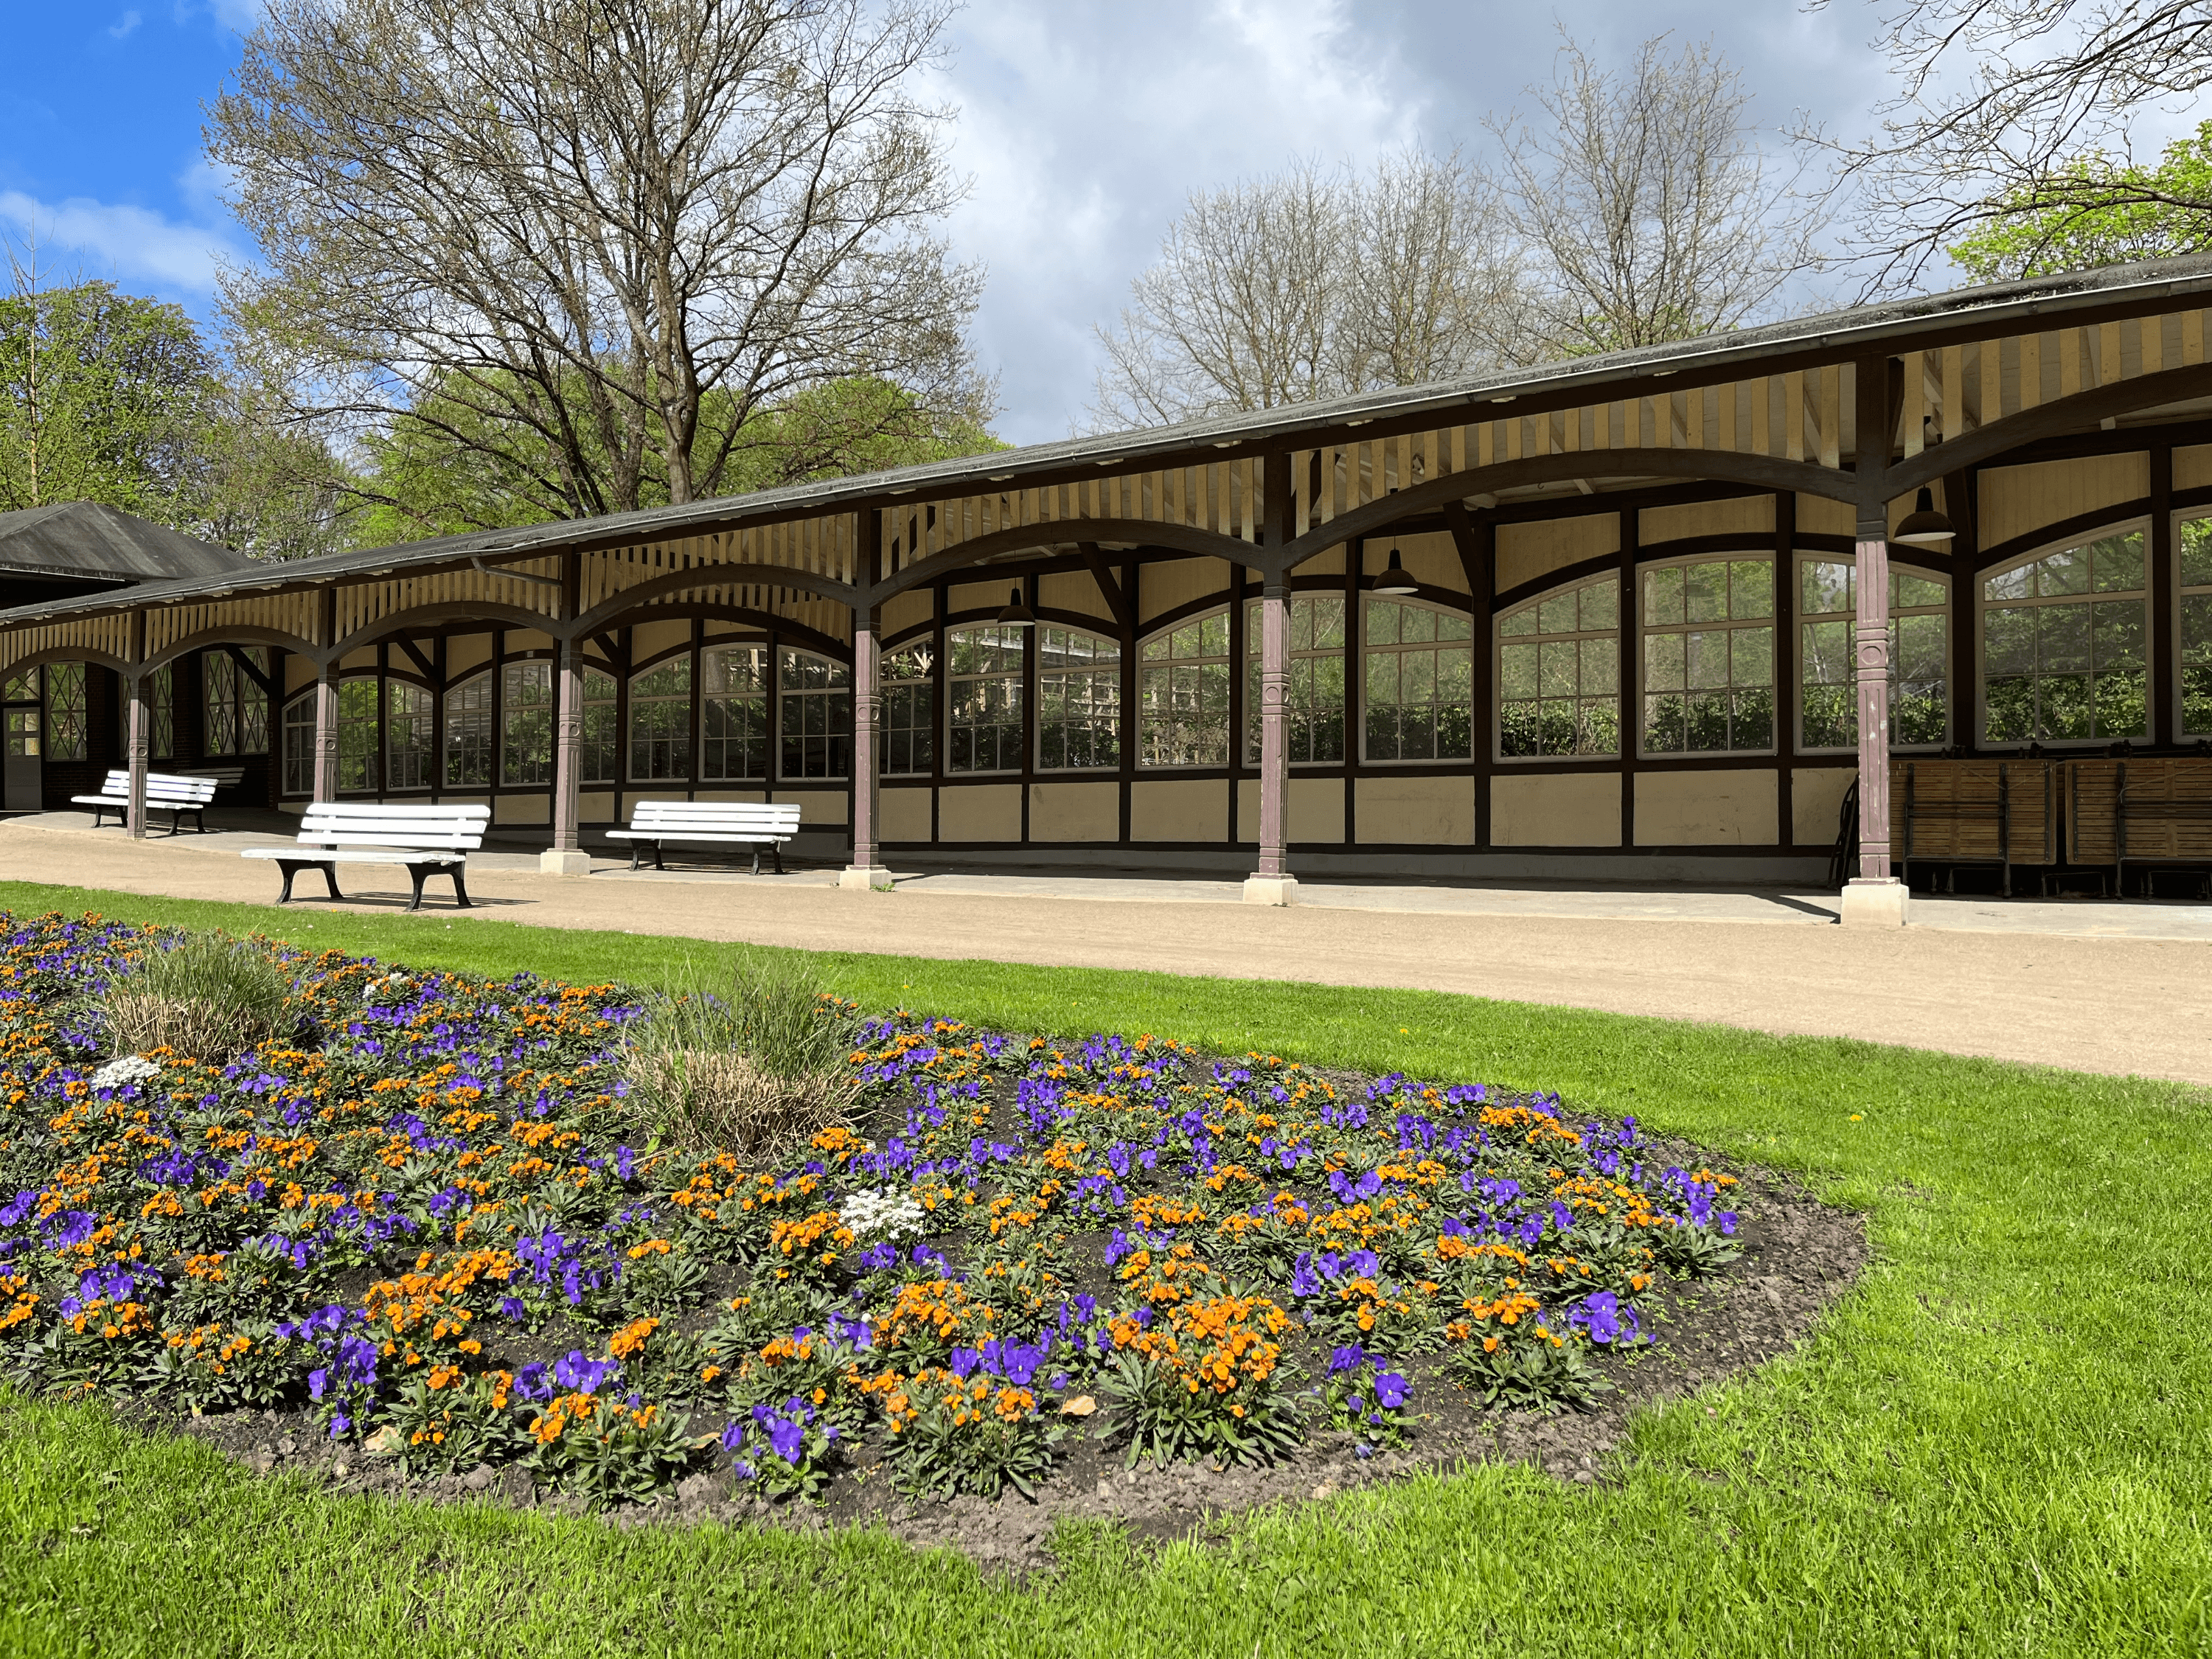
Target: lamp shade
x,y
1016,615
1924,524
1396,579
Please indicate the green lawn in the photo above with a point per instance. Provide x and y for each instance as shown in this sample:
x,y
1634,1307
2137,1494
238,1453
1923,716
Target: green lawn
x,y
2000,1443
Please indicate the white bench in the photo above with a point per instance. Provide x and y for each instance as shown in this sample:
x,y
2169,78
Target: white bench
x,y
743,823
166,791
427,840
225,777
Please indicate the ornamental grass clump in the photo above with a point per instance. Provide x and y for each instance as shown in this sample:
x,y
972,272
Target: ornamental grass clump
x,y
206,995
756,1069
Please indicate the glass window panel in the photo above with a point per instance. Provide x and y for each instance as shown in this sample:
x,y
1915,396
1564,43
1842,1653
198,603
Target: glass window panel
x,y
983,699
2008,640
298,739
357,734
1908,592
1601,668
2195,550
815,714
602,735
909,712
660,721
1516,623
1601,605
218,702
1751,657
1079,699
2062,638
67,726
2116,563
1573,673
1826,587
1707,654
1562,668
468,734
409,735
527,722
1664,659
1516,670
2063,573
1183,704
1705,591
2015,584
1662,595
2116,634
1751,589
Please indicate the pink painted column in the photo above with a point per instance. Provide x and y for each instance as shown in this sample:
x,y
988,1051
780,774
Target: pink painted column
x,y
1871,650
138,736
867,869
567,856
1274,733
326,734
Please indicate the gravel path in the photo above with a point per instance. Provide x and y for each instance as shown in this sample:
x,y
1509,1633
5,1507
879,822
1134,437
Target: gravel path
x,y
2114,1005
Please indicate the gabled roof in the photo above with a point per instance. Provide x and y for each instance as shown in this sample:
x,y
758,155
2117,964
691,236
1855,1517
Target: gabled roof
x,y
2068,299
87,541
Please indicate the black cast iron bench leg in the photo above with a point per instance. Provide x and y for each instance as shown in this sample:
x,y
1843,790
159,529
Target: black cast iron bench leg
x,y
292,867
422,873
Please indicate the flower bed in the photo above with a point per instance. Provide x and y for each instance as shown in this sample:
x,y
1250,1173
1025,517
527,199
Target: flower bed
x,y
430,1218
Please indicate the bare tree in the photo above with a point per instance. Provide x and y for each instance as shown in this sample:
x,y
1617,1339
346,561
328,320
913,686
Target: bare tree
x,y
1311,284
586,242
1645,203
2049,87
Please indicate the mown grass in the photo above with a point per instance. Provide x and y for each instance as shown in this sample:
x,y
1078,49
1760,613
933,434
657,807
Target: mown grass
x,y
2001,1442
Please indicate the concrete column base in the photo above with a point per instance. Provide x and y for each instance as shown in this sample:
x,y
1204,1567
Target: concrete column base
x,y
1271,890
1875,903
564,861
864,878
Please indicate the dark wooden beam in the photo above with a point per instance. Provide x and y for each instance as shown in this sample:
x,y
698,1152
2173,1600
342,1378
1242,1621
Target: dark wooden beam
x,y
1116,600
429,669
270,689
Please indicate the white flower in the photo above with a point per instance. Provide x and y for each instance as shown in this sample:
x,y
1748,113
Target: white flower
x,y
390,982
129,1069
887,1214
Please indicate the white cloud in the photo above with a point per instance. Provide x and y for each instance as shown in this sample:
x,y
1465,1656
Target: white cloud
x,y
127,243
123,26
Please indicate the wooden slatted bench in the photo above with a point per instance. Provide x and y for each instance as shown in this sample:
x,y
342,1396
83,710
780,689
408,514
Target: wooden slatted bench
x,y
1951,812
166,791
225,777
2144,811
687,823
427,840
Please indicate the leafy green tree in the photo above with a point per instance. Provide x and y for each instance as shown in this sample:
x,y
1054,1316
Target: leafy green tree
x,y
2096,211
102,395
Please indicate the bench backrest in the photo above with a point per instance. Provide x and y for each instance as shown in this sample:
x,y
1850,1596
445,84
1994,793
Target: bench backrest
x,y
375,824
225,777
737,817
163,788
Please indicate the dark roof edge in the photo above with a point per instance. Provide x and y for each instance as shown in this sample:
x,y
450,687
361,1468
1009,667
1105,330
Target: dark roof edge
x,y
1861,326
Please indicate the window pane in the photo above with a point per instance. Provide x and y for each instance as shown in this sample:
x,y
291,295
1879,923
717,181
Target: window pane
x,y
660,720
407,735
1908,592
1826,587
66,723
2063,573
1662,595
2116,563
1183,703
1705,592
526,713
815,714
468,734
1601,605
219,701
2195,539
1751,587
357,733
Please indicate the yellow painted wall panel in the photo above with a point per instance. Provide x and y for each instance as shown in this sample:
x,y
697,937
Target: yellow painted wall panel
x,y
649,640
1825,516
527,639
1746,515
1706,808
1574,809
904,814
990,596
2020,500
1421,812
1179,809
595,806
1328,562
747,796
1317,809
363,659
2192,467
521,809
817,807
299,673
1526,551
1816,798
1434,560
981,812
1174,583
902,611
1075,811
1077,591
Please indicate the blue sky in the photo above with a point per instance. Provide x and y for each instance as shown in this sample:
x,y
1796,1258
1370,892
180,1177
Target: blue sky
x,y
1083,124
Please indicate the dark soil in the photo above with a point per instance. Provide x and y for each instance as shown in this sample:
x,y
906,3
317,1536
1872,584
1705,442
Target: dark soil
x,y
1798,1255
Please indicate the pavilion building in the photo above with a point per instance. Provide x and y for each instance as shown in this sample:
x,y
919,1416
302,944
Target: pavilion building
x,y
1641,615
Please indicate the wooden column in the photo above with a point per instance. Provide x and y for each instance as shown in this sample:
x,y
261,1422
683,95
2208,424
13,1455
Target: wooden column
x,y
138,734
867,869
567,856
327,732
1272,884
1870,650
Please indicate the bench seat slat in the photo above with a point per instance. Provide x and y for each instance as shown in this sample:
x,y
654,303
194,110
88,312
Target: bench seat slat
x,y
355,855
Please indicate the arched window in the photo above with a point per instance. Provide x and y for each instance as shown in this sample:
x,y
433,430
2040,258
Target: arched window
x,y
814,698
235,708
660,721
66,722
1419,669
525,718
909,711
1183,692
357,729
2194,550
734,709
602,745
983,722
1314,723
1558,673
1079,699
408,734
162,711
299,744
1709,656
468,732
1827,673
2063,646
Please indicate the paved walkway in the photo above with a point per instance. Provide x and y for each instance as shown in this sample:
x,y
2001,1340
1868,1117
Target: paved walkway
x,y
2096,987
